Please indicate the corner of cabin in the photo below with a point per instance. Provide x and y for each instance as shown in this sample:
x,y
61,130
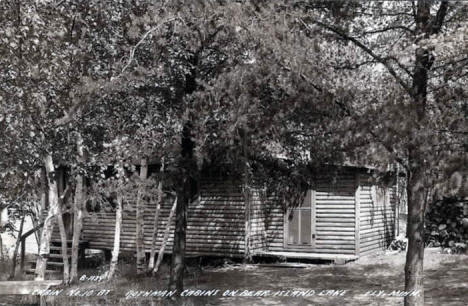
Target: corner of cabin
x,y
323,227
377,216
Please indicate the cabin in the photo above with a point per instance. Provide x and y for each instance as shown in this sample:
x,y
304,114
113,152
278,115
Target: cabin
x,y
343,217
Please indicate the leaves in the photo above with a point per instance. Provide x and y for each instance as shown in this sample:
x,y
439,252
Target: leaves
x,y
254,81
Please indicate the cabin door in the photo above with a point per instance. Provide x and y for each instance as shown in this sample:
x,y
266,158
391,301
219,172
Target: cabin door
x,y
300,224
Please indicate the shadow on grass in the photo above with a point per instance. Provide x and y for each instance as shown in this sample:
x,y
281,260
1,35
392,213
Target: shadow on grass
x,y
446,283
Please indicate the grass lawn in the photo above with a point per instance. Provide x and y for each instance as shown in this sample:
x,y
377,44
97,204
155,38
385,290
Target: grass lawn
x,y
446,283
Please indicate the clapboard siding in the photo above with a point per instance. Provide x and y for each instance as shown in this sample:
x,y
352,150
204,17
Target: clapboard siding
x,y
228,220
274,224
257,238
335,214
377,218
335,218
215,224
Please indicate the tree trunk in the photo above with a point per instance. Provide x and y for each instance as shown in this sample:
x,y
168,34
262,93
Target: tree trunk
x,y
64,244
78,206
22,254
44,191
426,25
15,252
36,207
165,238
140,212
414,273
176,281
396,232
44,248
2,256
187,166
77,226
154,236
44,186
35,223
116,250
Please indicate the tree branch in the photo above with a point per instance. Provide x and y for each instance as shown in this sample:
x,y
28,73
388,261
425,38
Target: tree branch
x,y
400,65
387,147
133,50
367,50
390,150
355,66
74,108
452,62
439,18
68,115
389,28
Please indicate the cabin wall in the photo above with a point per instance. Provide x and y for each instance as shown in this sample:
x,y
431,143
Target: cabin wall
x,y
227,220
335,214
215,224
273,222
334,228
99,228
377,217
218,220
255,216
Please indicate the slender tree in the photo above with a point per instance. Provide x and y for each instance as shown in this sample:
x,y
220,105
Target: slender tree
x,y
116,249
154,235
78,211
165,238
140,211
17,244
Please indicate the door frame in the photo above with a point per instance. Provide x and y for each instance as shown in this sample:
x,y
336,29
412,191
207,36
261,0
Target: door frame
x,y
313,230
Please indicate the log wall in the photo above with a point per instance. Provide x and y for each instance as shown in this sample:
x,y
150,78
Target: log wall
x,y
229,221
257,238
377,217
334,223
215,225
335,215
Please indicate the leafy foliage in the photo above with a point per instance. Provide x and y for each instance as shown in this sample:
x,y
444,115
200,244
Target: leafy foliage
x,y
447,225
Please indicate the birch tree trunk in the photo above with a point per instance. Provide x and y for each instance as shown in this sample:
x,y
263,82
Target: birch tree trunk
x,y
35,224
37,207
64,244
15,252
116,250
165,238
2,256
154,236
77,215
140,212
44,202
44,248
77,226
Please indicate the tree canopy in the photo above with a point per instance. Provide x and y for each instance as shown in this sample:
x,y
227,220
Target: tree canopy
x,y
210,83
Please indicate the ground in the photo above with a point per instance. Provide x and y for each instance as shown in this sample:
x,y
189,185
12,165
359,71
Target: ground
x,y
446,283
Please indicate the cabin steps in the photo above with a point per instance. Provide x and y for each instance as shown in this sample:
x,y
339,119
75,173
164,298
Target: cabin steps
x,y
31,271
55,260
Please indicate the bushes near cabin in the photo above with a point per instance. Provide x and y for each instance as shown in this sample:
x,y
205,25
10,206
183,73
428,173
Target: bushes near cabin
x,y
447,226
